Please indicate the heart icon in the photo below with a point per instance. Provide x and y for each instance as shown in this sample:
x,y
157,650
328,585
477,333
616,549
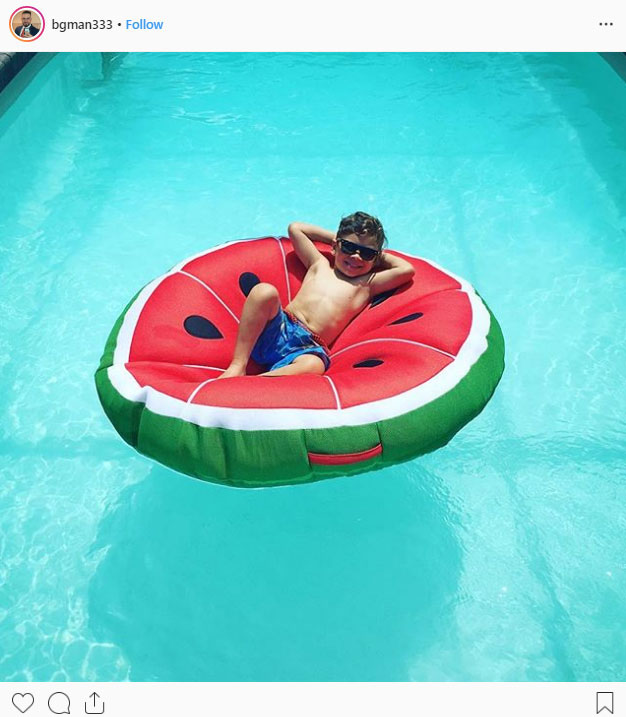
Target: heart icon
x,y
23,701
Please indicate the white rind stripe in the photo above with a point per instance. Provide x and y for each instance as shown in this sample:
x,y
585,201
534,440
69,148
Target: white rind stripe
x,y
255,419
202,385
332,385
127,329
210,290
189,259
402,341
195,365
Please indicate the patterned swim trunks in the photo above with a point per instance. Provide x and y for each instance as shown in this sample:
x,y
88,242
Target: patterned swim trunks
x,y
283,340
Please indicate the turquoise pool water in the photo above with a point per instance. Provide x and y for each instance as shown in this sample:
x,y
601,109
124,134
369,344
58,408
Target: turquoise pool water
x,y
499,557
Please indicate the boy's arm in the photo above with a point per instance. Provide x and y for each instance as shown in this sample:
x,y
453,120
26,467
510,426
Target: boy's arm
x,y
392,271
302,237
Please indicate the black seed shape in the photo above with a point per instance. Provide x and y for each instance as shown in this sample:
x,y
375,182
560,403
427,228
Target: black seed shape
x,y
201,328
368,363
383,296
247,281
410,317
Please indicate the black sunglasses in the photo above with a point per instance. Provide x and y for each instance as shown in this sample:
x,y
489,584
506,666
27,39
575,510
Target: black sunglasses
x,y
365,252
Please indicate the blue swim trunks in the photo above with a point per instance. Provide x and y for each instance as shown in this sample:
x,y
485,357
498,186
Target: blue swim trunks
x,y
283,340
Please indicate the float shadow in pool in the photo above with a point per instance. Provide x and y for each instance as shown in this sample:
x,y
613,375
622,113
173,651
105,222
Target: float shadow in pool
x,y
346,579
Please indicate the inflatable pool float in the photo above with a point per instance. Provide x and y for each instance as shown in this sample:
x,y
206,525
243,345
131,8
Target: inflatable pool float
x,y
406,374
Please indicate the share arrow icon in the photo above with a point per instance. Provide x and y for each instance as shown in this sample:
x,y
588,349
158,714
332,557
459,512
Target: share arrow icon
x,y
95,705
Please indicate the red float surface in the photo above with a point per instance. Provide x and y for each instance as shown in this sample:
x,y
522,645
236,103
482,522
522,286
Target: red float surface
x,y
392,346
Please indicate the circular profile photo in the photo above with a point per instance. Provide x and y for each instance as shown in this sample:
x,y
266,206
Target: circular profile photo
x,y
27,23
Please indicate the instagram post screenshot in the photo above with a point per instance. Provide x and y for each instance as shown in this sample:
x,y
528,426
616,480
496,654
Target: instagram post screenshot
x,y
313,359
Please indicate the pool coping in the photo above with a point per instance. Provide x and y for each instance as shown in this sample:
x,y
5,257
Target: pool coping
x,y
11,63
17,69
617,60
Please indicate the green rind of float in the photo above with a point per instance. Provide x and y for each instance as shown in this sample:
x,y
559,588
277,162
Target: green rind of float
x,y
266,458
433,425
439,421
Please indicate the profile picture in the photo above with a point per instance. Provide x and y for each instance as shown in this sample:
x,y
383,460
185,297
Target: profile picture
x,y
27,23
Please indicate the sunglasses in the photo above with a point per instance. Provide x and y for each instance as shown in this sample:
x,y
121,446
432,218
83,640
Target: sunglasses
x,y
365,252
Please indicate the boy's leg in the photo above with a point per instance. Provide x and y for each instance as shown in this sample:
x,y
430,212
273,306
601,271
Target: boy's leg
x,y
307,363
262,305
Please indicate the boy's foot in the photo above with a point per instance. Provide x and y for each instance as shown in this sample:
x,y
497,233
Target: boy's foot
x,y
233,371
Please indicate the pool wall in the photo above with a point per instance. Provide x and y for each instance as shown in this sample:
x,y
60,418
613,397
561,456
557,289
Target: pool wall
x,y
11,63
617,60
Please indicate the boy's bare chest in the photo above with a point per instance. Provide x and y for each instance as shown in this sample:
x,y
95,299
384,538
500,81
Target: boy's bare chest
x,y
326,303
324,284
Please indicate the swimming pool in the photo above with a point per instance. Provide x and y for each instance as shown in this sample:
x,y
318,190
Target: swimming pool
x,y
500,557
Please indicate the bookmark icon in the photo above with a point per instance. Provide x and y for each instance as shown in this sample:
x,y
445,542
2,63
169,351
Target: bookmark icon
x,y
604,701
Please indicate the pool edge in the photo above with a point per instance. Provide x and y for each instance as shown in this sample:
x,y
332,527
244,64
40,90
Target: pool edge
x,y
616,60
17,69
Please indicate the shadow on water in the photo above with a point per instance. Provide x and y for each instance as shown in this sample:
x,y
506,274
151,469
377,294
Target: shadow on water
x,y
110,62
338,580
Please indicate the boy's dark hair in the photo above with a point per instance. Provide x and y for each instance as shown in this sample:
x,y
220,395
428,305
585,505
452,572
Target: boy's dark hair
x,y
362,224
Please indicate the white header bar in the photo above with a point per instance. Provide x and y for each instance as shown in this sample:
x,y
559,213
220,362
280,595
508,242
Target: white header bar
x,y
323,25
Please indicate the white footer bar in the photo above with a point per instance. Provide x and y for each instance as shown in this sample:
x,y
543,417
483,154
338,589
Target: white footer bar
x,y
308,699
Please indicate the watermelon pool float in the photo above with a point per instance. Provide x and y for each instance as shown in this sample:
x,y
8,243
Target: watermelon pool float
x,y
406,374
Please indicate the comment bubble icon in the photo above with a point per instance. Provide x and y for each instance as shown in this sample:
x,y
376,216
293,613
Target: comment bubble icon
x,y
59,703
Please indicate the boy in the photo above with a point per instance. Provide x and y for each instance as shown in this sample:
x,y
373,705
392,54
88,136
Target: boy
x,y
295,340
